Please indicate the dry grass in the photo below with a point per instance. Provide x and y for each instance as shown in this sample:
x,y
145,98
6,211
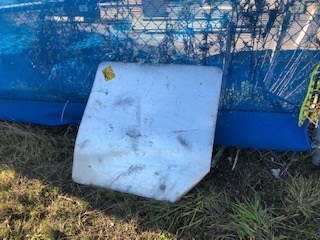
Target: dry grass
x,y
302,197
38,200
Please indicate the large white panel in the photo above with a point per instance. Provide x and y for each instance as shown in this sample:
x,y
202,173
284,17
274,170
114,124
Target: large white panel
x,y
148,131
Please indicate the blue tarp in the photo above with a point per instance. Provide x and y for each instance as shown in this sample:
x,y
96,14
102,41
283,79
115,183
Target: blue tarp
x,y
48,62
273,131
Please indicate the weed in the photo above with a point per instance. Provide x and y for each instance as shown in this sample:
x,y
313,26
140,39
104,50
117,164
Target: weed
x,y
250,220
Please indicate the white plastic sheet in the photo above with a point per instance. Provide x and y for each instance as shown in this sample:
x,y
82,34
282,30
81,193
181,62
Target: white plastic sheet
x,y
148,130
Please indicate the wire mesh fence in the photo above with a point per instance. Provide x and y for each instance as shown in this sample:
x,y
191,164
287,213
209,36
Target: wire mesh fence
x,y
266,48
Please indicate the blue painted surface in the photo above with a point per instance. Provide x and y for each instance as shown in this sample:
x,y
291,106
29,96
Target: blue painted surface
x,y
41,112
272,131
46,63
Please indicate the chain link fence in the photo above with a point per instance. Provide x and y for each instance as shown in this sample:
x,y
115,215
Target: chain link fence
x,y
266,48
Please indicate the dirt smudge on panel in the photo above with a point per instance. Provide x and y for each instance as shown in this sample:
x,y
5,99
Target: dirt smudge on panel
x,y
162,187
99,103
124,101
183,142
133,133
83,144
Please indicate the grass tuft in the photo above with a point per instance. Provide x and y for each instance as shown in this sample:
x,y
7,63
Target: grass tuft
x,y
250,220
192,213
302,197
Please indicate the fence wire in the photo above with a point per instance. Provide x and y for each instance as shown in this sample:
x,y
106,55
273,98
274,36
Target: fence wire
x,y
266,48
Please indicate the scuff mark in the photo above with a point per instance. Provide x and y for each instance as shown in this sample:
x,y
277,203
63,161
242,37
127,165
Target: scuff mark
x,y
183,142
105,92
133,133
162,187
135,145
124,101
138,116
186,130
99,103
83,144
132,170
63,110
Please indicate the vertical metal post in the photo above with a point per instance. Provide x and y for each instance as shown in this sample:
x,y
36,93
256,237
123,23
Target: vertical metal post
x,y
227,57
316,148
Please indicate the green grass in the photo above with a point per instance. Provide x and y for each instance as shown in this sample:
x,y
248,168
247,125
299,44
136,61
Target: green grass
x,y
249,219
38,199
